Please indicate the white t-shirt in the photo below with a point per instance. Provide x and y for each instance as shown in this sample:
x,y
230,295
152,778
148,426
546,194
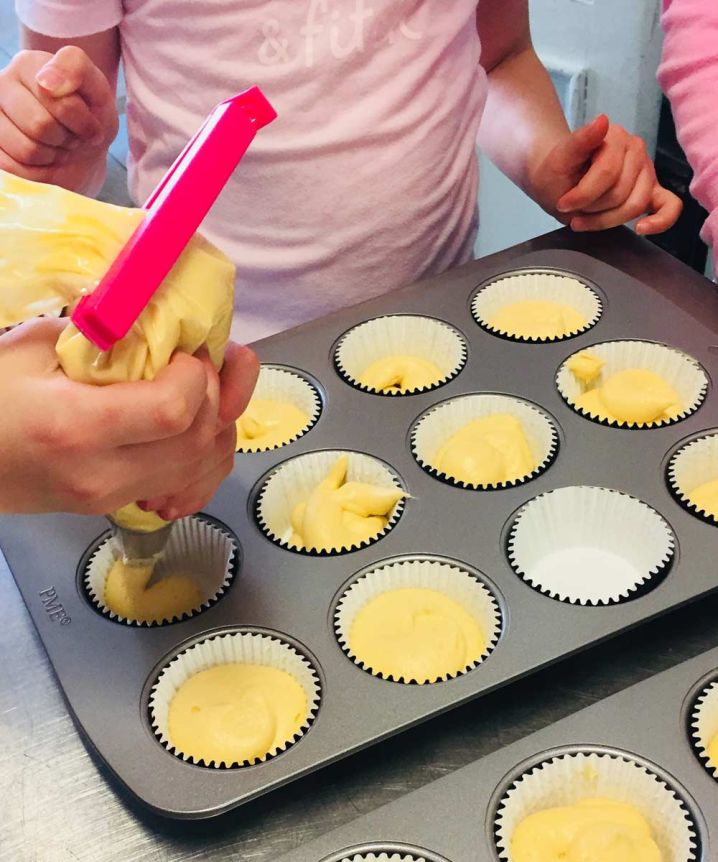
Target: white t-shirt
x,y
366,181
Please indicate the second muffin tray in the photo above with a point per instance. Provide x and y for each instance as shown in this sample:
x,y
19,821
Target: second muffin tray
x,y
108,668
453,819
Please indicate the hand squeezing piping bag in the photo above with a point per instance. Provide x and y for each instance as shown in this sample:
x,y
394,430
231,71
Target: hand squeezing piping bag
x,y
175,210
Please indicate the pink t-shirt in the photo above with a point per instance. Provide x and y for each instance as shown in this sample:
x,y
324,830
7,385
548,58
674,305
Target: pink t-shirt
x,y
368,179
689,76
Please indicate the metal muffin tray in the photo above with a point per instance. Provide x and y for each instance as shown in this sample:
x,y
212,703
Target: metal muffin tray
x,y
452,819
106,668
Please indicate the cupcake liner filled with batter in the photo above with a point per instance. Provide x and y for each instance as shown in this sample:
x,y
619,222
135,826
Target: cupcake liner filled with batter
x,y
704,727
578,802
536,306
589,546
234,699
284,406
417,620
400,354
484,441
632,384
693,477
329,502
198,564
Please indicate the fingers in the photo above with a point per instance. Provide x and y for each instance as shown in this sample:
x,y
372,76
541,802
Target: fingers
x,y
579,146
197,495
70,71
33,119
238,378
26,151
666,208
147,411
609,180
635,205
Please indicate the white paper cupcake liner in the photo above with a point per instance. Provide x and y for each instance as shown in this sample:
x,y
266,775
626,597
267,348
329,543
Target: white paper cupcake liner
x,y
277,383
440,422
443,576
589,546
692,465
400,334
410,854
678,369
704,725
198,546
565,779
549,286
240,647
293,481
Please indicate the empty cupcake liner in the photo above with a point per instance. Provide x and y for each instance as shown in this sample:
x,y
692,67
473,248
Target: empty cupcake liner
x,y
565,779
440,422
293,481
443,576
678,369
589,546
704,725
691,466
550,286
386,853
239,647
198,546
284,384
400,334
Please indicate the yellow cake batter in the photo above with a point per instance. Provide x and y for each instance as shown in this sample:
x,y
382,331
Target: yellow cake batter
x,y
635,395
538,318
400,374
57,245
267,423
126,593
234,713
713,752
705,497
131,517
340,514
592,830
416,634
487,451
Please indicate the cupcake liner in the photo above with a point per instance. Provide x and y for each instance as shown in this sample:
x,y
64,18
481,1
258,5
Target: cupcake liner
x,y
293,481
551,286
440,422
239,647
384,853
565,779
589,546
678,369
692,465
198,546
704,725
446,577
400,334
284,384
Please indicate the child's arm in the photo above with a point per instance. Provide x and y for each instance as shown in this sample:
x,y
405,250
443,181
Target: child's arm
x,y
57,109
598,177
689,77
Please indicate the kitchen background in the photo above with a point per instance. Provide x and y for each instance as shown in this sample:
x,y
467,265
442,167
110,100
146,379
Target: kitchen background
x,y
602,56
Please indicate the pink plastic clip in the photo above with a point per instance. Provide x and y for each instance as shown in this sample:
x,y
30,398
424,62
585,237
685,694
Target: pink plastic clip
x,y
174,212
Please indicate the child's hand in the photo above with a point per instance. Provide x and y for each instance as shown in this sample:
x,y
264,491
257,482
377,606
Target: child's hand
x,y
67,446
600,177
57,118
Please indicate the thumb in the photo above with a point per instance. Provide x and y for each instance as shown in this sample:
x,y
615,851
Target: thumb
x,y
72,71
580,145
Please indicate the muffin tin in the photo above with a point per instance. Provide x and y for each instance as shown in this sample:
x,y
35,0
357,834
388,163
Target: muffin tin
x,y
452,819
107,669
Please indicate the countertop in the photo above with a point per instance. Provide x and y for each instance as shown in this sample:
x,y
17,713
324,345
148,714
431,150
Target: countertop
x,y
58,805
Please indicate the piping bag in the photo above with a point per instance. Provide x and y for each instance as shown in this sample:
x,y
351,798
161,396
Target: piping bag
x,y
174,211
